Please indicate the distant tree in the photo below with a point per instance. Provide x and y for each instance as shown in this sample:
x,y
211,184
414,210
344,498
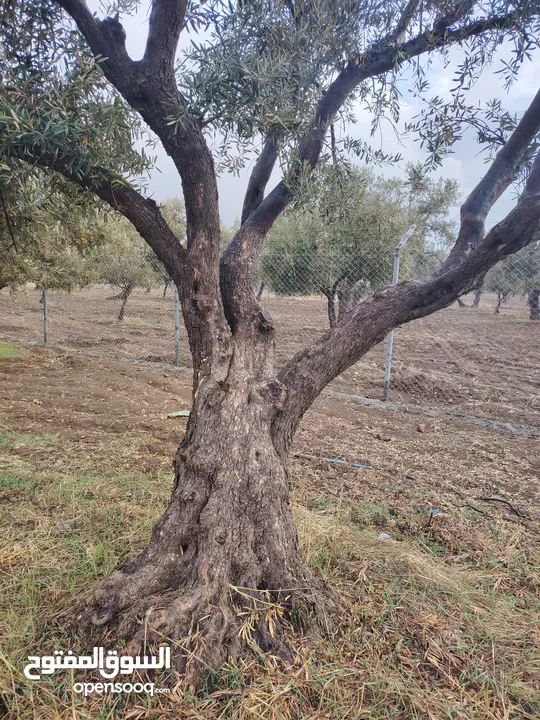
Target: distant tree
x,y
124,261
174,212
344,247
517,274
47,234
530,278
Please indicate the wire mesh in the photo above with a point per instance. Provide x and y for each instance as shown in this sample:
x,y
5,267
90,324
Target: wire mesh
x,y
477,358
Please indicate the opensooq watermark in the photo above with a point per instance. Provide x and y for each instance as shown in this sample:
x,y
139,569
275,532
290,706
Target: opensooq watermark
x,y
109,665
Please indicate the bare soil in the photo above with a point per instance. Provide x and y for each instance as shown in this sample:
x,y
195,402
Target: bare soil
x,y
89,401
85,442
467,360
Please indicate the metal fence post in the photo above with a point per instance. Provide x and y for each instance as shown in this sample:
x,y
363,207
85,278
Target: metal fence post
x,y
45,316
176,326
390,336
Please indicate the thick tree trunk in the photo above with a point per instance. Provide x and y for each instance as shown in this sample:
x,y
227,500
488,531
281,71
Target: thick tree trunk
x,y
227,542
534,304
477,296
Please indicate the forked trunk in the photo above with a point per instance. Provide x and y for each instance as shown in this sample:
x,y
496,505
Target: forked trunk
x,y
502,297
226,548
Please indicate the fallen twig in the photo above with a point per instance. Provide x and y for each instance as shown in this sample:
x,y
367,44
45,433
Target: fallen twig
x,y
473,507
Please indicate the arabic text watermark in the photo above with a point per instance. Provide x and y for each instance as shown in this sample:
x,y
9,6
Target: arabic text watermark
x,y
109,665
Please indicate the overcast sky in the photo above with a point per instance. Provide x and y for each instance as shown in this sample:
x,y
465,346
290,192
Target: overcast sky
x,y
465,165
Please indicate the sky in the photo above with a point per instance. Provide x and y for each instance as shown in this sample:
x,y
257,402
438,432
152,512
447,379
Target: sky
x,y
466,164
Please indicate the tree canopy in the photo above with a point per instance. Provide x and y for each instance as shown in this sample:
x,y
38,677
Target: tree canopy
x,y
48,233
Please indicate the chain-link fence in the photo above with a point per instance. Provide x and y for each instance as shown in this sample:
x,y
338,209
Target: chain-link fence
x,y
476,358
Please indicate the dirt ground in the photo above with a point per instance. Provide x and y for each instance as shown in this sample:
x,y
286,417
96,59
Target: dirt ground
x,y
444,612
86,401
466,360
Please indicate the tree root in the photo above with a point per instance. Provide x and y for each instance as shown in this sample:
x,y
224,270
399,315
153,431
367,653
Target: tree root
x,y
205,625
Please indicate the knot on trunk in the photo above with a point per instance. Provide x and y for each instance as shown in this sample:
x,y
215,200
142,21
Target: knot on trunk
x,y
205,303
271,392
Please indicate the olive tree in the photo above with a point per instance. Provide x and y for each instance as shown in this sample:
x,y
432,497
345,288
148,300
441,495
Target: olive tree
x,y
269,77
343,246
47,234
126,262
518,274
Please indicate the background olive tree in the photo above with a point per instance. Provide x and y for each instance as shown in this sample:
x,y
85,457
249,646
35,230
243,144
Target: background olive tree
x,y
343,244
519,275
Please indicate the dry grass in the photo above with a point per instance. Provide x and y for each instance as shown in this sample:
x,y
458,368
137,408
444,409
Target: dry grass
x,y
442,622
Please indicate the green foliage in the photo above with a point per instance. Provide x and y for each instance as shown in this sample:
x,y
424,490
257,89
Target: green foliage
x,y
259,68
262,67
54,99
174,212
124,260
47,232
352,229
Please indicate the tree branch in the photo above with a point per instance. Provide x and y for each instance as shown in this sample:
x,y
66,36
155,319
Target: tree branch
x,y
107,40
508,163
460,11
142,212
239,259
405,20
149,87
370,64
165,25
308,373
260,176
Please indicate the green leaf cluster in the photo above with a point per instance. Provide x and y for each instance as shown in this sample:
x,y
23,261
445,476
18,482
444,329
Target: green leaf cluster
x,y
350,233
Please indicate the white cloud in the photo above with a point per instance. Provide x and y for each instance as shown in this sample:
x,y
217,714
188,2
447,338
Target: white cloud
x,y
465,165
